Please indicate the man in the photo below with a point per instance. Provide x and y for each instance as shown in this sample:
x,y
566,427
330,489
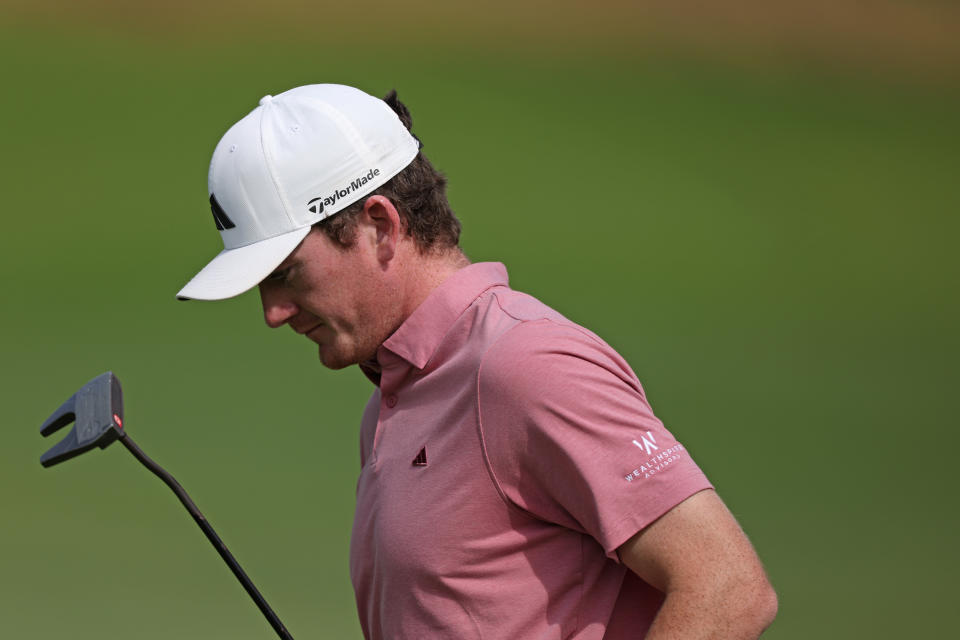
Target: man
x,y
514,482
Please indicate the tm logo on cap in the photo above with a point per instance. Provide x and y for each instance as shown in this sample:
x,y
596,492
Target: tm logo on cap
x,y
219,215
316,208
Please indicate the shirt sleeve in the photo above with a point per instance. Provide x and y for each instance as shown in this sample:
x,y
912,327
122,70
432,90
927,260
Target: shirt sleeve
x,y
570,438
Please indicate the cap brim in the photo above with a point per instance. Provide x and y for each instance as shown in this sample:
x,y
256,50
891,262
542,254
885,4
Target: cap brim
x,y
234,271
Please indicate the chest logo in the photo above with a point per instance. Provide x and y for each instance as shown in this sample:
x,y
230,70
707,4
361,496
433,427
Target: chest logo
x,y
421,459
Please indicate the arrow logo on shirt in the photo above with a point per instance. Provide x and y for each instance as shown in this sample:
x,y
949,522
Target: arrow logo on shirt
x,y
421,459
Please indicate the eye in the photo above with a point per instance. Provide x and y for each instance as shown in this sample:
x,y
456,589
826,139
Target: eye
x,y
279,276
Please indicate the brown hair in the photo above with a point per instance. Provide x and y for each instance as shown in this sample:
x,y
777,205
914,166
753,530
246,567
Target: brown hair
x,y
419,192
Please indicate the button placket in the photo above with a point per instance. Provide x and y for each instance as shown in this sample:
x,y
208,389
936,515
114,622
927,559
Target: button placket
x,y
394,371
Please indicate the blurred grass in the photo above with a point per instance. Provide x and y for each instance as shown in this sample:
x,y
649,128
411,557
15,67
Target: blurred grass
x,y
773,251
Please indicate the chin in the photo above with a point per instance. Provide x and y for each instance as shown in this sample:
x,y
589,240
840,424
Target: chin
x,y
334,361
340,359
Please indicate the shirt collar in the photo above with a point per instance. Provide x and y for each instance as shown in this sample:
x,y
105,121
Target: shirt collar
x,y
418,337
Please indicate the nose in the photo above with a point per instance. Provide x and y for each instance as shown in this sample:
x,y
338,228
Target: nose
x,y
277,308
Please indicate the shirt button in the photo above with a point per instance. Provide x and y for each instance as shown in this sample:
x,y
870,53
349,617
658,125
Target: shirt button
x,y
391,401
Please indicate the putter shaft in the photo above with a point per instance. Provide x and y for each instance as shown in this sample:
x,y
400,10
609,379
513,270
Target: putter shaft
x,y
212,536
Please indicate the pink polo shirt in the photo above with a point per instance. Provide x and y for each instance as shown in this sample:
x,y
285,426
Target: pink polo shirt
x,y
505,456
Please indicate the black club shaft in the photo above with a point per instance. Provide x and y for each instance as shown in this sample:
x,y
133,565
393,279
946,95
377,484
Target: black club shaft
x,y
212,536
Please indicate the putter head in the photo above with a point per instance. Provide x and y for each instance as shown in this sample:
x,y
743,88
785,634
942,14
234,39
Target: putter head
x,y
97,409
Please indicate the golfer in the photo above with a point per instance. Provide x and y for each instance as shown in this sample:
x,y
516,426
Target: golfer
x,y
514,482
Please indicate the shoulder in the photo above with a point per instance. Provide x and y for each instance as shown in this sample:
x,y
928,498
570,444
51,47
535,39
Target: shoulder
x,y
569,437
550,355
546,388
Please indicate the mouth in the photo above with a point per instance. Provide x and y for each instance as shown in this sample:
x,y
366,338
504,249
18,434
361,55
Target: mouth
x,y
305,331
309,331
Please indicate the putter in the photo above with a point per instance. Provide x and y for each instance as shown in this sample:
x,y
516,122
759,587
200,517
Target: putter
x,y
97,410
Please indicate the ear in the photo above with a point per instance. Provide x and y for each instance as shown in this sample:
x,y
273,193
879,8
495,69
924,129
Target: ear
x,y
385,221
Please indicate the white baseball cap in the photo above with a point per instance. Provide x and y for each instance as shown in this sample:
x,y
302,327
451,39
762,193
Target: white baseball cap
x,y
299,157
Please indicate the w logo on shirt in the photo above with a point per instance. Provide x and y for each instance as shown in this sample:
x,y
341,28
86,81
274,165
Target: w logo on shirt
x,y
648,443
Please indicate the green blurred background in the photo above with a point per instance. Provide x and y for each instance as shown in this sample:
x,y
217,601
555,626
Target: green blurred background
x,y
757,205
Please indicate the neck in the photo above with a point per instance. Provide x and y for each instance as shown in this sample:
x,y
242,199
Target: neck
x,y
426,272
